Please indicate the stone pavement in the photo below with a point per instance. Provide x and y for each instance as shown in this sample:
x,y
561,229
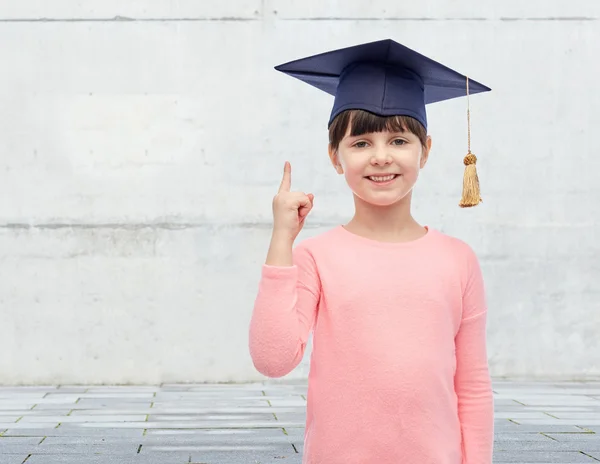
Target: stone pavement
x,y
256,423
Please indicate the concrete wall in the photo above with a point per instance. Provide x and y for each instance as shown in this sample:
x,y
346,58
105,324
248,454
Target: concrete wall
x,y
142,142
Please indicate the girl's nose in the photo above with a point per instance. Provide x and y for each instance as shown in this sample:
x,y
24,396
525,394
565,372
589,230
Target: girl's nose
x,y
381,157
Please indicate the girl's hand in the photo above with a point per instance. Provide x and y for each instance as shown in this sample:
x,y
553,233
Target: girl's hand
x,y
290,208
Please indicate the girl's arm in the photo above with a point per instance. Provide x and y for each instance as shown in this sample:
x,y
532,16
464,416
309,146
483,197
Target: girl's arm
x,y
472,379
284,314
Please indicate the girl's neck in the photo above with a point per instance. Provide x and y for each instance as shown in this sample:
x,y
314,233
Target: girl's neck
x,y
392,223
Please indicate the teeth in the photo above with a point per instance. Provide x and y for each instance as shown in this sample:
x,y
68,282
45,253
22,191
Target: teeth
x,y
382,179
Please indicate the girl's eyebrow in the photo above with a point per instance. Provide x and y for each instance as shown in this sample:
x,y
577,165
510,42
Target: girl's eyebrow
x,y
368,134
349,137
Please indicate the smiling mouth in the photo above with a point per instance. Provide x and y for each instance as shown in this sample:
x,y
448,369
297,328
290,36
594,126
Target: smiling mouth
x,y
382,179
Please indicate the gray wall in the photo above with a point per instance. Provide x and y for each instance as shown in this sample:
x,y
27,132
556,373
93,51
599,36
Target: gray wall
x,y
142,143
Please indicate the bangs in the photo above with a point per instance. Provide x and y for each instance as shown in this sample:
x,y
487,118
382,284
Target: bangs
x,y
362,122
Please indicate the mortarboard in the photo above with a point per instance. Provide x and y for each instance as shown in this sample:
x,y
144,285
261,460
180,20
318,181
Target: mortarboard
x,y
389,79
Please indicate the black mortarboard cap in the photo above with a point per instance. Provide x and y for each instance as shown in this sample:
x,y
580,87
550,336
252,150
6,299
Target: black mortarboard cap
x,y
383,77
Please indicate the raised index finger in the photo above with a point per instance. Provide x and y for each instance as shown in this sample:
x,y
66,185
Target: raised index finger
x,y
286,182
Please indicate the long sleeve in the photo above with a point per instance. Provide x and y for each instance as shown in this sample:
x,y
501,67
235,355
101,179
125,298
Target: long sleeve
x,y
284,314
472,379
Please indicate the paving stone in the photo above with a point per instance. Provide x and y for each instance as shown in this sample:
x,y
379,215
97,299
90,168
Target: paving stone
x,y
35,432
213,432
13,405
520,414
5,418
216,432
575,436
233,403
200,388
125,449
17,448
243,456
134,403
27,388
61,449
192,424
27,425
295,433
537,428
501,437
22,395
156,456
267,448
525,445
298,404
549,400
116,395
196,409
34,412
242,437
13,458
82,418
59,398
110,459
171,396
20,440
71,389
583,415
123,389
125,410
73,431
586,446
548,445
565,409
298,417
94,440
577,422
40,406
530,457
216,418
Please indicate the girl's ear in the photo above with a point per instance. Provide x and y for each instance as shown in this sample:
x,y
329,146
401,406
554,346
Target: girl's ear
x,y
425,153
335,160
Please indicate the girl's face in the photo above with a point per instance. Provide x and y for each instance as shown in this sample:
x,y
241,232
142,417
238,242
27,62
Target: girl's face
x,y
381,168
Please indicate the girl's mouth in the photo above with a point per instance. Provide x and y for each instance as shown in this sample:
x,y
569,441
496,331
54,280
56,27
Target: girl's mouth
x,y
382,180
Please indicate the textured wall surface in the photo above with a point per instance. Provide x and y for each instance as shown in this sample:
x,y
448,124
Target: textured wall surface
x,y
142,143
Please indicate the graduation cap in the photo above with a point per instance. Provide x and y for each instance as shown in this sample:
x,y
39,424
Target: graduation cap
x,y
388,79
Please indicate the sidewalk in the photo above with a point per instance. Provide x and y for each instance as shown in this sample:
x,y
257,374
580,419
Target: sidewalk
x,y
256,423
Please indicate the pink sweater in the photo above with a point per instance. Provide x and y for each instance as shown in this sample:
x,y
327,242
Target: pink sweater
x,y
398,372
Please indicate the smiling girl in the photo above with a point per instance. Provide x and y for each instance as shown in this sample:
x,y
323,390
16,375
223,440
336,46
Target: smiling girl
x,y
398,371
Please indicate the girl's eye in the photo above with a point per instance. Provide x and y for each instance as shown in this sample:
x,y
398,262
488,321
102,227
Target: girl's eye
x,y
360,144
399,142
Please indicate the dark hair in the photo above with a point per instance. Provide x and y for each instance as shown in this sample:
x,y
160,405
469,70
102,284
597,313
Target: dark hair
x,y
363,122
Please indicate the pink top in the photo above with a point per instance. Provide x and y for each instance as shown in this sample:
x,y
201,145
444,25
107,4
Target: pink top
x,y
398,371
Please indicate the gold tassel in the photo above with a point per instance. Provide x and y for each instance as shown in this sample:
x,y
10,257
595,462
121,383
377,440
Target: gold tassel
x,y
471,195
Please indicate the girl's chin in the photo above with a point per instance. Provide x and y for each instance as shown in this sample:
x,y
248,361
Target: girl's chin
x,y
381,200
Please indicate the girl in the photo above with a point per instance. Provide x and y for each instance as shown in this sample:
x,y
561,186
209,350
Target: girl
x,y
398,372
